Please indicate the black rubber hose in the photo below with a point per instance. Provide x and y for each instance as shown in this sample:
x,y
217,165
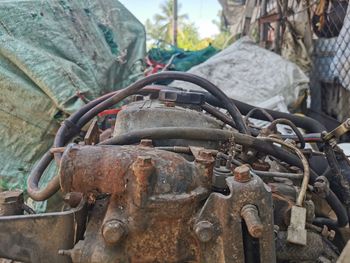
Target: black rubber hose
x,y
221,135
69,129
74,123
309,124
78,122
188,133
36,173
287,122
218,114
311,137
337,175
201,82
263,111
33,189
339,210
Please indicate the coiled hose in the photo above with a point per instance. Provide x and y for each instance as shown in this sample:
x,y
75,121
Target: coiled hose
x,y
73,124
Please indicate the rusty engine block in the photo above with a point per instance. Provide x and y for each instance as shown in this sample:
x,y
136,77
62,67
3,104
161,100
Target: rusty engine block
x,y
171,178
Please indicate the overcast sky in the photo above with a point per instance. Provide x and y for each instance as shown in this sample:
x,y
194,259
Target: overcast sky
x,y
201,12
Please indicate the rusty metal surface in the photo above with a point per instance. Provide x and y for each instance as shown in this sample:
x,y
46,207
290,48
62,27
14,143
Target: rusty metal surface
x,y
11,203
224,213
160,208
153,197
116,168
151,113
38,238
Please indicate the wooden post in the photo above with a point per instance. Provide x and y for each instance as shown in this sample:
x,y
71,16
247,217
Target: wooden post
x,y
175,22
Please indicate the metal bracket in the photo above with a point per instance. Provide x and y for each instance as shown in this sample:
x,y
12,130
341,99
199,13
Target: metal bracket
x,y
339,131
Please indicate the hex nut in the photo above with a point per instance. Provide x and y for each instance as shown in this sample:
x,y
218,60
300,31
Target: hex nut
x,y
242,174
204,231
113,231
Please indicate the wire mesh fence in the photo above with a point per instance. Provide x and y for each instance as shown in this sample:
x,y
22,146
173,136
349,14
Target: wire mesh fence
x,y
330,77
330,57
314,34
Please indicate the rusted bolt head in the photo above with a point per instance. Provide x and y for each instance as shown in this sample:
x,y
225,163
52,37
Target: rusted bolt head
x,y
144,160
113,231
205,157
242,173
146,143
204,231
11,196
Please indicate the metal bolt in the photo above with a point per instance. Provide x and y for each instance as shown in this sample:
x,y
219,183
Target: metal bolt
x,y
146,143
242,174
204,231
251,217
113,231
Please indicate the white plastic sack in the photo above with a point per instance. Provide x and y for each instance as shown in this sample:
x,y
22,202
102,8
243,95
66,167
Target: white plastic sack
x,y
247,72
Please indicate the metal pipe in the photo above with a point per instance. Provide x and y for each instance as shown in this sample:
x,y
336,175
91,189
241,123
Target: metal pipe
x,y
306,168
274,123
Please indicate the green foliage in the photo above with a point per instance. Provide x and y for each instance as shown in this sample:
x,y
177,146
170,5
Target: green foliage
x,y
161,27
159,31
222,40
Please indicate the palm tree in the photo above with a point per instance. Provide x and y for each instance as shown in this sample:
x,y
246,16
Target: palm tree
x,y
164,21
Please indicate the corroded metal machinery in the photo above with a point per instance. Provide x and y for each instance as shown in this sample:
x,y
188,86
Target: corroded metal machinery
x,y
172,178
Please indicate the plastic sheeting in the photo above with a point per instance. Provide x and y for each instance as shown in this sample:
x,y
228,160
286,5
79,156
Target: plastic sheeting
x,y
180,59
50,51
246,72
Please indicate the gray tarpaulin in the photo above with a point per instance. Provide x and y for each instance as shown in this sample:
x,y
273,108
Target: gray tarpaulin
x,y
247,72
49,52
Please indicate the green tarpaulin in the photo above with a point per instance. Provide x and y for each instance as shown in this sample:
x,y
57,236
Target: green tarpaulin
x,y
181,60
51,51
